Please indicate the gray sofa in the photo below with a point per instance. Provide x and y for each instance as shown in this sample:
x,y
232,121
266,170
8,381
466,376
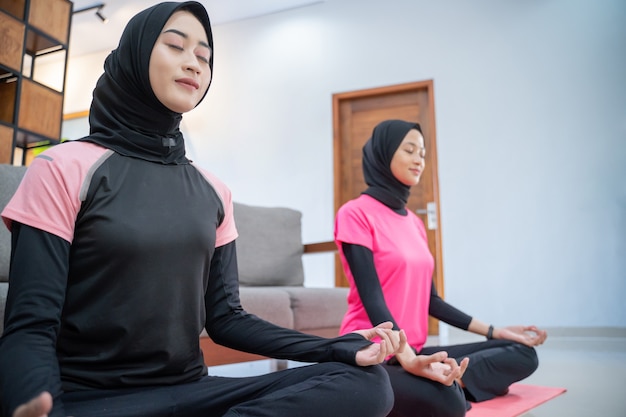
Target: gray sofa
x,y
270,251
10,177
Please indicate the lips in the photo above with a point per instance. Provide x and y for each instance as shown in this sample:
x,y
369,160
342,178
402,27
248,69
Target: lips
x,y
188,81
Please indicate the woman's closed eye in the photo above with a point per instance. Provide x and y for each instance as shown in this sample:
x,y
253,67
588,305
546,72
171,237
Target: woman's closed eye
x,y
177,47
421,151
202,58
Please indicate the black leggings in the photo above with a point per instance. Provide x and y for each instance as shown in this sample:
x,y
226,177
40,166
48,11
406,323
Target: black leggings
x,y
493,366
327,389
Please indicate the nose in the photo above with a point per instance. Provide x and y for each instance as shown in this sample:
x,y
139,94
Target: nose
x,y
420,160
193,67
192,64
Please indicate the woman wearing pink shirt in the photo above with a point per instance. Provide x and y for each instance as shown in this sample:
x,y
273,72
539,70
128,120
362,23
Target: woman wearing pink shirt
x,y
386,259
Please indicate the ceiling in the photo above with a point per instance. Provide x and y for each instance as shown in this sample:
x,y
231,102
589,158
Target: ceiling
x,y
90,35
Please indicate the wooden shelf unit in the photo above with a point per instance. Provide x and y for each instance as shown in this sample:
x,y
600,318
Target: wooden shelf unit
x,y
31,110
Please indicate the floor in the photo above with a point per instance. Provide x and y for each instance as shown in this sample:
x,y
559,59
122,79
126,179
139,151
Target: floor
x,y
589,363
592,369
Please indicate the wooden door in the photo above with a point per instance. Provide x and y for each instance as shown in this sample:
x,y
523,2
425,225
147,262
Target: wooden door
x,y
355,114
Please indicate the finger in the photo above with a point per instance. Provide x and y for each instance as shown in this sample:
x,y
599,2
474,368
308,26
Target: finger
x,y
449,371
540,335
395,338
536,330
437,357
367,334
384,334
448,380
403,341
451,362
440,373
535,340
382,351
385,325
541,339
391,337
463,366
450,377
453,366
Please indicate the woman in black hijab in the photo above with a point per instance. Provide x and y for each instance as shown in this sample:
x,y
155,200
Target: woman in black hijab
x,y
135,256
378,153
386,258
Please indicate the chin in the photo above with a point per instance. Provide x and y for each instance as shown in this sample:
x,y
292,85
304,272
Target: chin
x,y
181,104
180,109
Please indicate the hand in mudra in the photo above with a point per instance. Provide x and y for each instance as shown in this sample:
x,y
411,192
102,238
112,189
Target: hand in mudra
x,y
527,335
391,341
437,367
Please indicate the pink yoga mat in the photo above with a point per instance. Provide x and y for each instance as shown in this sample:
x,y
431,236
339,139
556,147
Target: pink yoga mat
x,y
520,399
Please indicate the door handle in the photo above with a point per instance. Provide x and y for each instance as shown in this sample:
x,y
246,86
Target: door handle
x,y
431,215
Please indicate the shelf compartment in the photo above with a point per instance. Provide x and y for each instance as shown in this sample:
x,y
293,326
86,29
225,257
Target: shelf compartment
x,y
40,13
13,7
40,109
8,93
53,75
40,44
11,41
6,144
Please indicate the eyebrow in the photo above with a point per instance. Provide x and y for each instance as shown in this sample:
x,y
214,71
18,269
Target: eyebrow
x,y
184,35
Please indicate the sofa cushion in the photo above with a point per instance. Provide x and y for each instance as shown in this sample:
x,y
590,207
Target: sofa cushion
x,y
269,303
269,246
318,308
10,177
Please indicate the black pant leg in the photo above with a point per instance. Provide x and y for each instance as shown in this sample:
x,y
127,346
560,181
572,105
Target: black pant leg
x,y
493,366
328,389
421,397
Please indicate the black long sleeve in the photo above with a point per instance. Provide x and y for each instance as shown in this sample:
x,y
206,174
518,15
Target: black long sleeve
x,y
230,325
37,282
361,262
443,311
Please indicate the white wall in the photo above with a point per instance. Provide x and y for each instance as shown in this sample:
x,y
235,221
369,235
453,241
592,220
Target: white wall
x,y
531,121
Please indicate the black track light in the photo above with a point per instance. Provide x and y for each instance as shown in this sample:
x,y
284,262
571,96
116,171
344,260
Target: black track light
x,y
98,8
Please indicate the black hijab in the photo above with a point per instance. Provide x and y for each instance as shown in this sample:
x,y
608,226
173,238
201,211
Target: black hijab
x,y
378,152
125,114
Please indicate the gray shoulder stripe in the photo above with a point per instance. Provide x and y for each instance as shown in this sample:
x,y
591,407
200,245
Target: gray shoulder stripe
x,y
87,181
46,157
